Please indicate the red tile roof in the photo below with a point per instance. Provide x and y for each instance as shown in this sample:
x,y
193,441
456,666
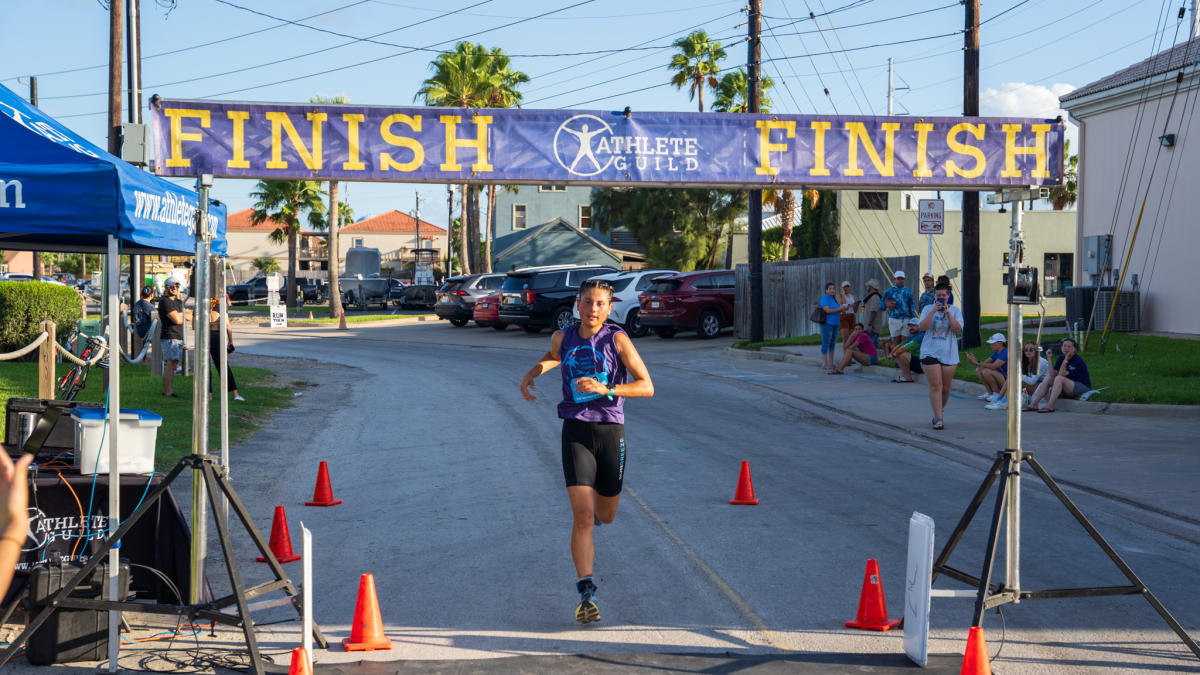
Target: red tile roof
x,y
393,221
241,221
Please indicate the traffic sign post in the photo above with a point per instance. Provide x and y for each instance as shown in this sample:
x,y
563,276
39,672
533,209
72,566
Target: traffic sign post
x,y
931,220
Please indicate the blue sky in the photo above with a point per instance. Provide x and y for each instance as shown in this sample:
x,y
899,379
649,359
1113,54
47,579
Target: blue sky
x,y
578,53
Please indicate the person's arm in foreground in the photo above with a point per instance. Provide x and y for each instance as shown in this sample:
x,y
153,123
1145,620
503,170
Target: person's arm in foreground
x,y
639,387
547,362
14,518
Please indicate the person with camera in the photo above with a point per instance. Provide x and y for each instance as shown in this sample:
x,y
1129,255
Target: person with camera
x,y
942,323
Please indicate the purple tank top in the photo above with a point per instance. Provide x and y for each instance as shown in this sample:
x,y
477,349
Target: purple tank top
x,y
592,357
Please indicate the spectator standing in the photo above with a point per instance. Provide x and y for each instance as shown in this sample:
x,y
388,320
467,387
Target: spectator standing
x,y
907,355
170,319
1070,378
829,329
942,324
902,310
846,319
857,347
214,346
872,304
926,298
993,372
143,312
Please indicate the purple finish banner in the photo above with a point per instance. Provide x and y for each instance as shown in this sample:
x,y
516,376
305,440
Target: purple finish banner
x,y
588,147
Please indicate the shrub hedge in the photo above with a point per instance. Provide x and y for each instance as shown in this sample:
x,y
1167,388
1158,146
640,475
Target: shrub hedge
x,y
25,304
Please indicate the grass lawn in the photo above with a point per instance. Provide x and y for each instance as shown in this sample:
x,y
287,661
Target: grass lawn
x,y
264,394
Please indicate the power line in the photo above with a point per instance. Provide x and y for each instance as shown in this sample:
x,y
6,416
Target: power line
x,y
691,8
811,106
866,23
836,36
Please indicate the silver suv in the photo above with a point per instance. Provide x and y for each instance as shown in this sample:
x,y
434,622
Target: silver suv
x,y
456,298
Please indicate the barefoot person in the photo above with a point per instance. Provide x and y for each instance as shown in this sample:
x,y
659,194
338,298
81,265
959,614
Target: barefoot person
x,y
600,368
942,324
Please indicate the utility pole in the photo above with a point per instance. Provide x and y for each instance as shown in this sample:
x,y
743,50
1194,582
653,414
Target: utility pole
x,y
970,200
37,270
1195,19
133,58
754,106
416,248
449,227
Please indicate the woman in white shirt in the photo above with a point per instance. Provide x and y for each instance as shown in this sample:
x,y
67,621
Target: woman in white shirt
x,y
942,323
1034,369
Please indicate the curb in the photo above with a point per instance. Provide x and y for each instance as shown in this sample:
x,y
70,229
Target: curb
x,y
399,321
786,355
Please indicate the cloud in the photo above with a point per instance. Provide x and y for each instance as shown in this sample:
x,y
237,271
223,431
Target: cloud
x,y
1019,99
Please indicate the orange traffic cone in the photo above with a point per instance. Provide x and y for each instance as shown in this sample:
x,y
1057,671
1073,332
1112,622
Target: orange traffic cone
x,y
281,539
310,316
367,632
342,321
872,608
323,494
745,488
975,661
300,664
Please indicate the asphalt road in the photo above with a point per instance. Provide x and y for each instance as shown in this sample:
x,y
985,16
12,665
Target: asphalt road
x,y
453,499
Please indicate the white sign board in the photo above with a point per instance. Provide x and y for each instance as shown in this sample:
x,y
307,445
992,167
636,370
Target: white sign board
x,y
931,216
278,316
273,282
917,588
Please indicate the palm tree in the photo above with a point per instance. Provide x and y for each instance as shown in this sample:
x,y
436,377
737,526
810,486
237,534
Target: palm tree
x,y
733,96
334,222
267,266
473,77
283,202
696,65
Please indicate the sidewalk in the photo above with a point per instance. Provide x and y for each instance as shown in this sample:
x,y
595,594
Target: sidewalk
x,y
1146,456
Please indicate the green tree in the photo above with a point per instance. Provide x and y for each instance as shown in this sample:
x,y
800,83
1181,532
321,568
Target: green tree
x,y
1062,197
284,203
473,77
696,65
333,223
680,228
733,93
818,236
267,266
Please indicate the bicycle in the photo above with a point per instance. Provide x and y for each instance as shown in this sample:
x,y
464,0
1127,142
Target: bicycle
x,y
73,382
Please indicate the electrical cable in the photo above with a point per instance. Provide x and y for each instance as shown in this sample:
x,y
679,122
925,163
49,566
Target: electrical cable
x,y
832,29
77,504
775,33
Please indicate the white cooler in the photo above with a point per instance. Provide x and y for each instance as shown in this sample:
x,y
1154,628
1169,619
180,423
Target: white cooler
x,y
139,431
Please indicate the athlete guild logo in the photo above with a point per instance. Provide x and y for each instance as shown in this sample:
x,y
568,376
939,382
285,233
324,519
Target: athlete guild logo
x,y
574,140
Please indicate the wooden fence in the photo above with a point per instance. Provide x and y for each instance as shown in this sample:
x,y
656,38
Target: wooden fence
x,y
791,289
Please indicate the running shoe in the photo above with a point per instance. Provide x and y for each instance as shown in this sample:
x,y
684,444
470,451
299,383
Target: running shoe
x,y
985,396
998,404
587,611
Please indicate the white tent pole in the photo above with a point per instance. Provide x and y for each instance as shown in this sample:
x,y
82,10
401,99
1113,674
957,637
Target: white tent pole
x,y
200,392
224,369
112,290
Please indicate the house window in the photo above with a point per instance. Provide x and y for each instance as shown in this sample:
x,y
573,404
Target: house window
x,y
1058,273
873,201
303,265
358,241
552,188
585,217
518,216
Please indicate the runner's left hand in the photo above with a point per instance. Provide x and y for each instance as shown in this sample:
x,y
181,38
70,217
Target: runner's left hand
x,y
590,385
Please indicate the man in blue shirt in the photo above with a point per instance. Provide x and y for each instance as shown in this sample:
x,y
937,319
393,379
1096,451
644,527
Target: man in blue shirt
x,y
926,297
901,309
993,372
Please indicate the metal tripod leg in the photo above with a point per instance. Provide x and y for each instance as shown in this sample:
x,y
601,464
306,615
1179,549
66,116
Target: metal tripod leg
x,y
939,565
989,556
1114,556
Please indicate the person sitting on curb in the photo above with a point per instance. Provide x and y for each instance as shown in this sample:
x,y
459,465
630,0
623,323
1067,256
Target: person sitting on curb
x,y
993,372
1070,378
904,353
858,347
1034,370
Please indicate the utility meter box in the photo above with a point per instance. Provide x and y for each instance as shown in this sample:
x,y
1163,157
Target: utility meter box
x,y
1097,254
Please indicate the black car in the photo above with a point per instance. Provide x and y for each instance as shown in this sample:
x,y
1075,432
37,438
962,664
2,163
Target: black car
x,y
456,298
538,297
253,291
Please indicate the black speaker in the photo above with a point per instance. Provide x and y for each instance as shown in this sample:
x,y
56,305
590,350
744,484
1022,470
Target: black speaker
x,y
62,436
71,634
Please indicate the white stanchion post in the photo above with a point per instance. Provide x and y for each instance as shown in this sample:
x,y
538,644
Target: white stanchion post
x,y
223,366
112,291
200,394
306,591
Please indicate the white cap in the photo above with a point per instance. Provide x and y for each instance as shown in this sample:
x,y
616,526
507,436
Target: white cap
x,y
997,337
899,274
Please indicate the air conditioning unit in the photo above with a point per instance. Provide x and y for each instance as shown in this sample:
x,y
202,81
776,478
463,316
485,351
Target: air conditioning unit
x,y
1079,306
1126,316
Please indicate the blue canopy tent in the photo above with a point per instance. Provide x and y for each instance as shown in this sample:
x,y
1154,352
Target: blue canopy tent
x,y
59,192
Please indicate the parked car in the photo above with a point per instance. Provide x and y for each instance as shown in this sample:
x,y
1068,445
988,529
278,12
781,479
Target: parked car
x,y
699,301
419,296
66,278
456,298
15,276
487,312
627,288
396,291
537,297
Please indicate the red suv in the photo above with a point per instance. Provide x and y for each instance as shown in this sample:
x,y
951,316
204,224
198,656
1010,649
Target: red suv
x,y
699,301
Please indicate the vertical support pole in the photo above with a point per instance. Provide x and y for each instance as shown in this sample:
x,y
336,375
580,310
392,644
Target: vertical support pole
x,y
223,327
929,255
200,392
46,362
306,590
754,105
112,290
1015,340
970,202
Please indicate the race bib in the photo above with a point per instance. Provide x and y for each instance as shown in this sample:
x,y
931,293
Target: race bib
x,y
581,397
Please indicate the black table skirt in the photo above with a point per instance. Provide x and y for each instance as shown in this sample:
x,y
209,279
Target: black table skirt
x,y
58,524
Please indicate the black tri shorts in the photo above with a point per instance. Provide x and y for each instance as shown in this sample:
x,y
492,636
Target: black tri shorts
x,y
593,454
